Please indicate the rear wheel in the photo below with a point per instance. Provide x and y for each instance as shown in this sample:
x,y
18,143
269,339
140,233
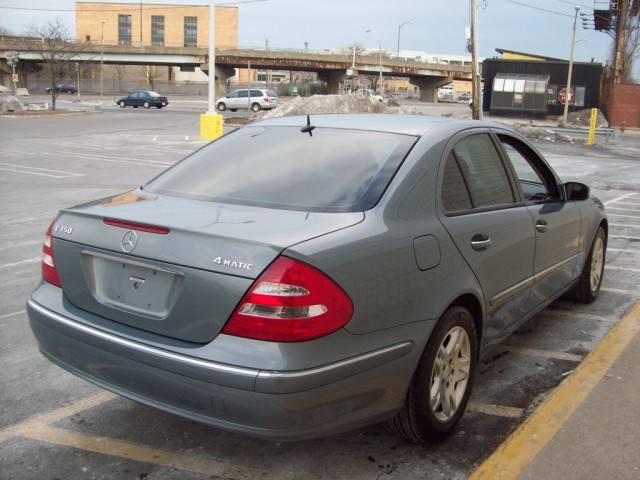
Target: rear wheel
x,y
441,385
588,287
255,107
221,107
122,105
233,109
146,105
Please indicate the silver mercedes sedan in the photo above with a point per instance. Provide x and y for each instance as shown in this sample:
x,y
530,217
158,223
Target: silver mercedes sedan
x,y
303,276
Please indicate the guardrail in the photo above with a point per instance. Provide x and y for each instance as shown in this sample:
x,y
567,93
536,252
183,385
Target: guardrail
x,y
608,133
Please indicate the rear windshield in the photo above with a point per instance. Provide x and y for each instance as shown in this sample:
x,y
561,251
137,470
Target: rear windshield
x,y
333,170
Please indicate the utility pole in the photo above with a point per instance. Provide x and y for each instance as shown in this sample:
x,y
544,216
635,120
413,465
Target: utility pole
x,y
399,30
621,33
212,57
380,86
567,98
78,74
102,58
266,47
475,74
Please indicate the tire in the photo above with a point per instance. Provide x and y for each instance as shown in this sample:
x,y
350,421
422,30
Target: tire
x,y
221,107
255,107
233,109
135,106
146,105
418,421
122,104
588,287
158,107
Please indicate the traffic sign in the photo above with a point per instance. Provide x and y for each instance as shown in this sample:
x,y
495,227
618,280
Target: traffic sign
x,y
566,95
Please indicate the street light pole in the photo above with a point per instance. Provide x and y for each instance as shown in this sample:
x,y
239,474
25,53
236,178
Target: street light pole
x,y
212,56
567,97
102,58
399,30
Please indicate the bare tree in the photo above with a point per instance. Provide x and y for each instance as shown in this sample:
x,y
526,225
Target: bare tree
x,y
121,71
632,47
5,32
151,74
57,52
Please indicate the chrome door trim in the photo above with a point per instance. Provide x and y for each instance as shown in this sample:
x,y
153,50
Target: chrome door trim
x,y
511,291
547,271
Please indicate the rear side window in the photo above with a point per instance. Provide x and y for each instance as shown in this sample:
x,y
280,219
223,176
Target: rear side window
x,y
484,172
334,170
455,195
256,93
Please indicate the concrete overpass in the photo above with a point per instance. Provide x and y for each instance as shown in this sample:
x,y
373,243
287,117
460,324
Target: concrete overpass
x,y
331,67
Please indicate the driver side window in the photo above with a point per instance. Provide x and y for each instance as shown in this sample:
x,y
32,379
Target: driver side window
x,y
534,186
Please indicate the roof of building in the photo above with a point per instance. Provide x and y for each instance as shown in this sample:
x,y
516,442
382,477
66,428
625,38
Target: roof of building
x,y
532,56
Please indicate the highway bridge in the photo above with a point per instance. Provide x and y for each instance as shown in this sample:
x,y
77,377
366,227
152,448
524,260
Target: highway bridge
x,y
331,67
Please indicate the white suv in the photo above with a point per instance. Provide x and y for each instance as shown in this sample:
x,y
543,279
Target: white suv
x,y
260,99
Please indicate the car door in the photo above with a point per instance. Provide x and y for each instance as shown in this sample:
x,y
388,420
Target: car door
x,y
133,99
557,222
243,99
484,215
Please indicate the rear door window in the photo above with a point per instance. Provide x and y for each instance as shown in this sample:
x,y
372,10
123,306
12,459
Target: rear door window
x,y
455,194
333,170
256,93
484,172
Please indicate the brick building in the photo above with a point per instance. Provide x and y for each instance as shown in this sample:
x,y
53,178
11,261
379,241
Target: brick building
x,y
154,24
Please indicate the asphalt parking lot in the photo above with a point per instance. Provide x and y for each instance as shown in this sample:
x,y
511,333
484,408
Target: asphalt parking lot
x,y
55,426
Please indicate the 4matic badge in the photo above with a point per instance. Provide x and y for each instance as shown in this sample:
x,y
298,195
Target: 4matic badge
x,y
233,263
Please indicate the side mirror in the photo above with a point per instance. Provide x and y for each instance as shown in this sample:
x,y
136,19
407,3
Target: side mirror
x,y
576,191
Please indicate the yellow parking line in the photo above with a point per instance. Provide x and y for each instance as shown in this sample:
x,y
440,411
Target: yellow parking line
x,y
523,445
37,421
146,454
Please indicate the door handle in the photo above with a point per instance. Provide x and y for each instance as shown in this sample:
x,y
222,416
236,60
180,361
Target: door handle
x,y
480,242
542,226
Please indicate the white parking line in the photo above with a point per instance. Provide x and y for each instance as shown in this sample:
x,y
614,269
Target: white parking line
x,y
633,210
630,204
621,215
12,314
633,293
575,315
27,172
625,250
623,225
534,352
93,157
22,244
497,410
617,199
626,237
624,269
21,262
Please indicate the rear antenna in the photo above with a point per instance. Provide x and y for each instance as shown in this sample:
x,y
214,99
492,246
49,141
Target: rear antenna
x,y
308,128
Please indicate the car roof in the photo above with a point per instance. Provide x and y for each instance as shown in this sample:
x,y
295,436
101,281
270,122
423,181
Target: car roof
x,y
417,125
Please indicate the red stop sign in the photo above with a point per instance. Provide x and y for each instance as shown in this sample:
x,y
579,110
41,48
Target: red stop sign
x,y
566,95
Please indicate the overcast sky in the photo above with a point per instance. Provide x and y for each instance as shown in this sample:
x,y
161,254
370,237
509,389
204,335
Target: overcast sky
x,y
438,24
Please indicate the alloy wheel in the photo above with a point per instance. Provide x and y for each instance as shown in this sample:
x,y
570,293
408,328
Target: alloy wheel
x,y
597,263
450,374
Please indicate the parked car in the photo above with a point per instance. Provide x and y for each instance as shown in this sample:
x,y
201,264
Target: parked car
x,y
303,276
464,97
143,98
261,99
63,88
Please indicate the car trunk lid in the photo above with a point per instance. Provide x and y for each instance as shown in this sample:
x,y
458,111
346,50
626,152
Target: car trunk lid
x,y
174,266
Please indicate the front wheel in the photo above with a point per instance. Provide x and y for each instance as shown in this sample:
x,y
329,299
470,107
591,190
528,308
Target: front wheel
x,y
588,287
255,107
441,385
222,107
122,105
146,105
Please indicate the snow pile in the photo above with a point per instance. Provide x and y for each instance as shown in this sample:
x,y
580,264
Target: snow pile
x,y
541,133
583,117
318,104
9,103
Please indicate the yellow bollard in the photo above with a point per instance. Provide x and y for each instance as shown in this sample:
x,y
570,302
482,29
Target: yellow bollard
x,y
210,126
592,126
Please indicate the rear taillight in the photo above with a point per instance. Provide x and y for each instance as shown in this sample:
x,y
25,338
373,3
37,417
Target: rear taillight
x,y
48,264
266,99
290,302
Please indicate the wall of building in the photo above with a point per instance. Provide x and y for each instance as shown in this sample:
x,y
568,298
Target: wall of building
x,y
624,107
90,15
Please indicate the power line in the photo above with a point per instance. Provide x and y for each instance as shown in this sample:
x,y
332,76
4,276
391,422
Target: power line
x,y
136,9
540,8
573,4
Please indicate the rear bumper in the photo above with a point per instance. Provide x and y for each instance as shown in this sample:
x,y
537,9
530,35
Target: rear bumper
x,y
280,405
